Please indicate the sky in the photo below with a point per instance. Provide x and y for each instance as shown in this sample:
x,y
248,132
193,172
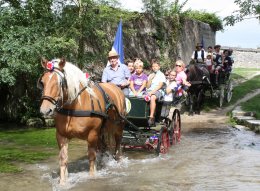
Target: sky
x,y
245,34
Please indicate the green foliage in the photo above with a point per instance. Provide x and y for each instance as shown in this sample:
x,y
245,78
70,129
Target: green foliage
x,y
214,21
177,8
247,9
157,8
52,28
252,105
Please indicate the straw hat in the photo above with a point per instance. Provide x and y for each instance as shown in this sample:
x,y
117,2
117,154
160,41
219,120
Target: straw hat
x,y
199,45
112,53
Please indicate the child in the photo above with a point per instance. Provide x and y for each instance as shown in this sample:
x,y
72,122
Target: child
x,y
130,65
167,72
209,62
155,83
138,80
171,84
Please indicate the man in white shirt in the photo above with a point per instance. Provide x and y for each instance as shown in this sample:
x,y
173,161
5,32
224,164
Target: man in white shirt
x,y
199,54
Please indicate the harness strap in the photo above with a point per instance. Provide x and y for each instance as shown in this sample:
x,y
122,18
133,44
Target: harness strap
x,y
80,113
105,96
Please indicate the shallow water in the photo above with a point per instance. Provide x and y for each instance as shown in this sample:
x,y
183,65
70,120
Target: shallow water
x,y
208,158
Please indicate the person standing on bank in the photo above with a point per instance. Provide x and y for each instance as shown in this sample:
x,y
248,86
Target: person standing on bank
x,y
198,56
116,73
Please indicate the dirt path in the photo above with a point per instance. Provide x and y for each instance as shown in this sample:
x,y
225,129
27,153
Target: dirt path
x,y
213,117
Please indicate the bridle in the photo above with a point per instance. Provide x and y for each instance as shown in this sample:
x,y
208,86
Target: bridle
x,y
63,84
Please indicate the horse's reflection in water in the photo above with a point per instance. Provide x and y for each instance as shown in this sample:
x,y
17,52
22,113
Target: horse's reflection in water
x,y
82,110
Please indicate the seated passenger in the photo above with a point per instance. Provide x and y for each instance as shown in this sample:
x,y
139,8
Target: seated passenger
x,y
209,62
228,62
170,90
116,73
138,80
130,65
181,77
155,83
171,86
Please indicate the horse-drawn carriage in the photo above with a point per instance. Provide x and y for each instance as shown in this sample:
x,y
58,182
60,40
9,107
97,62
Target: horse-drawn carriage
x,y
203,83
221,87
95,111
166,131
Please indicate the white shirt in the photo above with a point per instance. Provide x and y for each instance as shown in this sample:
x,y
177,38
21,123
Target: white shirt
x,y
172,85
199,55
158,78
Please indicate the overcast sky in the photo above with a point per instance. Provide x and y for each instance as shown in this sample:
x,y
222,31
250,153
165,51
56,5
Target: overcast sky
x,y
245,34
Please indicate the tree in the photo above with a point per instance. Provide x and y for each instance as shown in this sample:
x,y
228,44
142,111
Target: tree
x,y
157,8
247,9
30,29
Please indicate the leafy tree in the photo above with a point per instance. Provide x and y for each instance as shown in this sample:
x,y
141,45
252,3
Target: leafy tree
x,y
30,29
247,9
158,8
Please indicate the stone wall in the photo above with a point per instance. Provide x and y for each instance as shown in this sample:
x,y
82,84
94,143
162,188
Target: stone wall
x,y
245,57
192,33
143,41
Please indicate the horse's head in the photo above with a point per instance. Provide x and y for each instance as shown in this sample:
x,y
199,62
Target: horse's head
x,y
197,72
52,83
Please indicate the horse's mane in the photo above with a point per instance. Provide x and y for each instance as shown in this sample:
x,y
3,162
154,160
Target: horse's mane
x,y
74,77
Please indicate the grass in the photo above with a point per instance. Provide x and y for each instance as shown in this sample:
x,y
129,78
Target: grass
x,y
252,105
25,145
238,73
244,88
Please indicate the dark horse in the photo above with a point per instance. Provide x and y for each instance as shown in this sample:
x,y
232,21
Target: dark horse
x,y
198,76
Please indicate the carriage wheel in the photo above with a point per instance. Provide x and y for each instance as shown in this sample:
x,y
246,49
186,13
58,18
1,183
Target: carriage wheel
x,y
229,91
163,141
221,95
175,129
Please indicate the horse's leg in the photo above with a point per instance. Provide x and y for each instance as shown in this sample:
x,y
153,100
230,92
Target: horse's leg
x,y
199,101
92,146
118,140
63,157
191,104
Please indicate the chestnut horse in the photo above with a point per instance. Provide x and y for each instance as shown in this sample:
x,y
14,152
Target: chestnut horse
x,y
81,109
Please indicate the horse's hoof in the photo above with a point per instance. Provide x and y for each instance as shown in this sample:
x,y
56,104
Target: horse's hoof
x,y
62,182
91,174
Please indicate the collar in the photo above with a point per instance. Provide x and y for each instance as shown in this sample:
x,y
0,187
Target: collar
x,y
114,69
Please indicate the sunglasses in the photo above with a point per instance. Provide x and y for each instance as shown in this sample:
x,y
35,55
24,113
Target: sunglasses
x,y
178,65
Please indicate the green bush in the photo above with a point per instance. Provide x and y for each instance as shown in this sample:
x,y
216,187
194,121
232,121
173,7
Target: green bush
x,y
211,18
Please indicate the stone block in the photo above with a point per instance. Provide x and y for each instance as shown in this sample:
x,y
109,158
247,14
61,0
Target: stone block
x,y
34,122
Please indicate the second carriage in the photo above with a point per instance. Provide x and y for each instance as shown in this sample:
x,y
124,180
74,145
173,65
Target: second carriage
x,y
221,87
